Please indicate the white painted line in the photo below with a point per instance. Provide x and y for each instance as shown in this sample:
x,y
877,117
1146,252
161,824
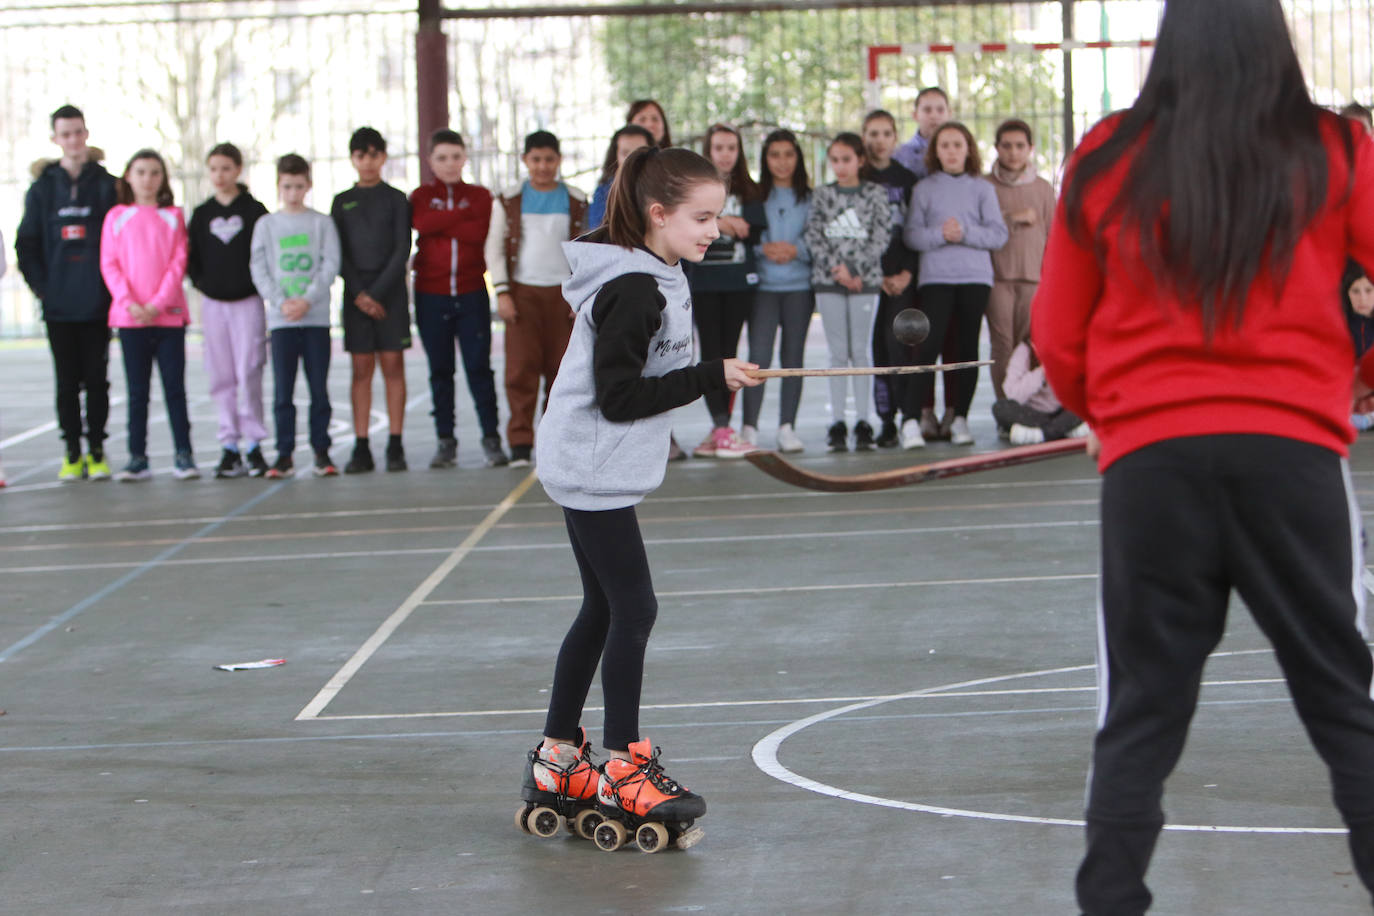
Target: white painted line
x,y
765,754
28,434
784,589
421,592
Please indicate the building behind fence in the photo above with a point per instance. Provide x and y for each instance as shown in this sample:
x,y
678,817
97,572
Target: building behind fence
x,y
276,77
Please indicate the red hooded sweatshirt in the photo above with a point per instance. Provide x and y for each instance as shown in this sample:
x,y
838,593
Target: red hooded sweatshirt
x,y
452,221
1124,354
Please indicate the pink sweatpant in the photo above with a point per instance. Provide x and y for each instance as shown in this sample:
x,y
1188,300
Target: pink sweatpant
x,y
235,352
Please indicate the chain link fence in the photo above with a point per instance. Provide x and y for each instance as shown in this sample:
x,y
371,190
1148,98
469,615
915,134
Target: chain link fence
x,y
300,75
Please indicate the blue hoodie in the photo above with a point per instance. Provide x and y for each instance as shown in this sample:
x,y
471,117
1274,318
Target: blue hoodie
x,y
785,221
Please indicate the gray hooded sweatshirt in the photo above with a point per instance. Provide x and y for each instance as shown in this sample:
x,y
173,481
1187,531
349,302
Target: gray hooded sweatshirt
x,y
603,441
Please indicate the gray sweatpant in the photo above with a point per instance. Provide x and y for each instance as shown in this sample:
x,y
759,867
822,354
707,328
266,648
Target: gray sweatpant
x,y
848,322
792,312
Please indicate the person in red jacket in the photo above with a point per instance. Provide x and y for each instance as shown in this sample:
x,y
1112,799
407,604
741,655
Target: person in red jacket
x,y
451,302
1189,312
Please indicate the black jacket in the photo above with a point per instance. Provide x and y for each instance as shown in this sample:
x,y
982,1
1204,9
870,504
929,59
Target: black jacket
x,y
58,242
220,246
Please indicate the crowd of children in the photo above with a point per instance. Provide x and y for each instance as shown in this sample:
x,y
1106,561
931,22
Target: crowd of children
x,y
914,224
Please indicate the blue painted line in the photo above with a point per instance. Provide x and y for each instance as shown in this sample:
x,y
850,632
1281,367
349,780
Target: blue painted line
x,y
87,603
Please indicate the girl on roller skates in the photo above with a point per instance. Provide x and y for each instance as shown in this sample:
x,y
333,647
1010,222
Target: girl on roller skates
x,y
601,449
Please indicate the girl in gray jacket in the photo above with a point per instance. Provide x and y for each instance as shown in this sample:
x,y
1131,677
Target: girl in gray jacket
x,y
847,231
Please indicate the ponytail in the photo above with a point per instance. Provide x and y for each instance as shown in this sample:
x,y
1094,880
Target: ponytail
x,y
651,175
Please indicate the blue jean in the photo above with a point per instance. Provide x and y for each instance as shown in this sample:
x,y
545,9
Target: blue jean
x,y
466,319
166,346
290,347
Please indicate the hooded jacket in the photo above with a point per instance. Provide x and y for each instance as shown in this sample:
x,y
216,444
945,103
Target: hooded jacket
x,y
221,238
143,260
1020,258
603,442
57,246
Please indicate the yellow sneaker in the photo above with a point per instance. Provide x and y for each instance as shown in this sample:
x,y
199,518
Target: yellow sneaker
x,y
72,470
97,468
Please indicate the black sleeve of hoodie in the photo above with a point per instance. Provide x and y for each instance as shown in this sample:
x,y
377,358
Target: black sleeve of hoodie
x,y
194,244
627,315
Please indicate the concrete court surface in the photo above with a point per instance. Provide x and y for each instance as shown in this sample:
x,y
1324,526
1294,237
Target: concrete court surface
x,y
887,699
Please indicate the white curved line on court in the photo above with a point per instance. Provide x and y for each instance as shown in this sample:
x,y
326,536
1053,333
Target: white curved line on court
x,y
765,754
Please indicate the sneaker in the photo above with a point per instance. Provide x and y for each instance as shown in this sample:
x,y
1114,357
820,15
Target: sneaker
x,y
73,469
283,467
446,455
323,466
930,427
360,462
521,456
749,435
638,787
911,435
729,446
1026,435
396,458
1080,431
836,436
947,424
707,448
788,441
958,431
257,465
889,437
863,437
230,465
491,450
136,469
184,467
97,467
675,452
560,782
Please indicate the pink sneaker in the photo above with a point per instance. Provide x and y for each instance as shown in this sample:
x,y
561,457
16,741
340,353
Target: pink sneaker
x,y
728,445
707,448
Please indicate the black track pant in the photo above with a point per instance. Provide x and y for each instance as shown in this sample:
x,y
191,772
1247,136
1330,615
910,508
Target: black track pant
x,y
948,305
81,358
1184,522
618,611
889,392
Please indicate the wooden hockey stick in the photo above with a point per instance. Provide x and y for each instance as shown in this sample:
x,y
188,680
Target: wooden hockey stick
x,y
869,370
774,465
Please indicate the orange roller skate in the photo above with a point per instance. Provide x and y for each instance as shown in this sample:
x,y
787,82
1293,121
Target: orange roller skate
x,y
560,785
635,797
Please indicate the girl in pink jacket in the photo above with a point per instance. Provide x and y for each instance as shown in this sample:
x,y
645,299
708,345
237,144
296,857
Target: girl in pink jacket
x,y
1029,412
143,261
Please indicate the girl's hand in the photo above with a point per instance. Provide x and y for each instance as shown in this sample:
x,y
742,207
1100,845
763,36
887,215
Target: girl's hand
x,y
1026,217
896,284
737,374
294,309
136,313
853,284
779,252
953,232
1094,447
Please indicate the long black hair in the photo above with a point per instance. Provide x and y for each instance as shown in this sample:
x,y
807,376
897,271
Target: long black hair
x,y
1227,164
801,184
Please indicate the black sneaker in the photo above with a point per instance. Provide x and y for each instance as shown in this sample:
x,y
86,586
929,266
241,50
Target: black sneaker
x,y
890,435
323,466
446,456
395,458
230,465
283,467
520,456
491,448
863,437
361,460
257,465
835,437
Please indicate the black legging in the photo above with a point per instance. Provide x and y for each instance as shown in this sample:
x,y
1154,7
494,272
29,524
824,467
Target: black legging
x,y
720,317
962,304
612,628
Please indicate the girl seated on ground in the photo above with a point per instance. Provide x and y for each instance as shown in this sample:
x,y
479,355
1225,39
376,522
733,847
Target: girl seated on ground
x,y
1030,412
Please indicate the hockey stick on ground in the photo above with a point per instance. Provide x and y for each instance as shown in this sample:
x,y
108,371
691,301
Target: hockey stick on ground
x,y
774,465
869,370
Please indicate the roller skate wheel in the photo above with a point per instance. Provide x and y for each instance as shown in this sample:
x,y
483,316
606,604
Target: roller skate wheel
x,y
522,818
543,822
689,838
585,823
609,836
651,837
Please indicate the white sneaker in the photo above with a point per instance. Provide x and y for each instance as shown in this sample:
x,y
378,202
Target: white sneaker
x,y
1026,435
749,434
788,440
911,435
1079,432
930,427
958,432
